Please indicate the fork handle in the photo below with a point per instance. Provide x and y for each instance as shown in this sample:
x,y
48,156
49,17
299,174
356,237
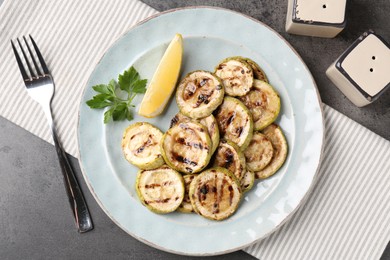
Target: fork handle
x,y
73,190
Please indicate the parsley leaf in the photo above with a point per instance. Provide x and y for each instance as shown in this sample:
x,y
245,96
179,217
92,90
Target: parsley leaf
x,y
128,79
109,95
139,86
108,115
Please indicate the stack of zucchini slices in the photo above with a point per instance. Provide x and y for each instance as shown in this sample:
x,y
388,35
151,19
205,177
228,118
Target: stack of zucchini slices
x,y
223,138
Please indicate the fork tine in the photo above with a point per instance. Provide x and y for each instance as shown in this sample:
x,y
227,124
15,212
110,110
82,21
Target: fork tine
x,y
42,61
20,63
33,58
32,73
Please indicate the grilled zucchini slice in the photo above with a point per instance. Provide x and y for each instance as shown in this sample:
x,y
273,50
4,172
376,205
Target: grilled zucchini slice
x,y
235,122
279,144
264,104
215,193
247,181
186,147
209,122
140,145
186,206
160,190
229,156
236,75
199,94
259,152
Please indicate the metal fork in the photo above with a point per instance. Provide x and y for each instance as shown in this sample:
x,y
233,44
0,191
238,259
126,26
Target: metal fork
x,y
40,86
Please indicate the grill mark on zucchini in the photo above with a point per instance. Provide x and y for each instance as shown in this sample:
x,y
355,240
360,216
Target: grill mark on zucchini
x,y
189,91
144,145
179,118
186,127
204,189
174,120
202,192
196,145
221,66
231,194
230,118
140,150
239,131
216,195
229,158
203,82
220,191
184,159
153,185
191,144
203,98
193,87
213,128
225,121
166,200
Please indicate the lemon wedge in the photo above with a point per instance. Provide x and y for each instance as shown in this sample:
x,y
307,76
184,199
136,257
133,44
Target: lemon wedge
x,y
164,80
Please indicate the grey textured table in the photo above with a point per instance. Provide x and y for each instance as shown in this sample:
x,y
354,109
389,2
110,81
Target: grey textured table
x,y
35,218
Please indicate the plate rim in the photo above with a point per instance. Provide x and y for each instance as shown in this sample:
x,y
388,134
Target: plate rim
x,y
303,199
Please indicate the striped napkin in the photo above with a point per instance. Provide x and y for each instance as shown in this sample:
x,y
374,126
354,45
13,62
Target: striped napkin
x,y
346,217
72,36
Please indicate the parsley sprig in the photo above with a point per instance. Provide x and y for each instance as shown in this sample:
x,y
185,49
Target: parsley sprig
x,y
111,96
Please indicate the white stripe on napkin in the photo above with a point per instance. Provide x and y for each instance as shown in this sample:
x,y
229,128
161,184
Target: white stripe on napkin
x,y
72,36
347,215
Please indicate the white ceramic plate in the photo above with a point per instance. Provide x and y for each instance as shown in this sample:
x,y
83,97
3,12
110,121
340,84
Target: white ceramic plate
x,y
210,35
